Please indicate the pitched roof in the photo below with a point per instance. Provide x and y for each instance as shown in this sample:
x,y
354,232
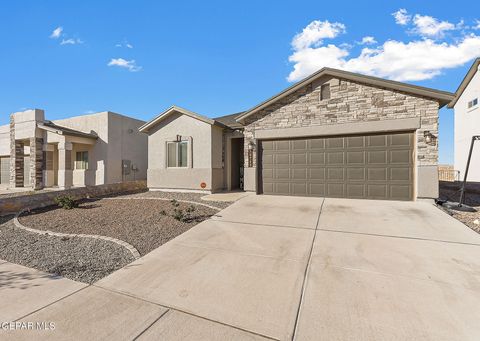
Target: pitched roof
x,y
230,120
54,128
176,109
466,80
443,97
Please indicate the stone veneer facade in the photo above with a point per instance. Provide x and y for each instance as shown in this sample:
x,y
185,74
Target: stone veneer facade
x,y
349,102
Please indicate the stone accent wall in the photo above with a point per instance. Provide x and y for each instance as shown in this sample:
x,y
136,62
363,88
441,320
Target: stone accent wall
x,y
349,102
32,200
36,162
16,158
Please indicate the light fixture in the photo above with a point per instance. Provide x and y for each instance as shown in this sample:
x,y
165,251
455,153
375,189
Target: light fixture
x,y
429,137
251,145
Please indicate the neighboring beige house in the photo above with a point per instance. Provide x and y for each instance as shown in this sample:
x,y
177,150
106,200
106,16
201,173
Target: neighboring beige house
x,y
467,123
94,149
333,134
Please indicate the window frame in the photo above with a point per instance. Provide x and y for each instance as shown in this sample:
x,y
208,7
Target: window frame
x,y
327,89
473,106
177,154
84,162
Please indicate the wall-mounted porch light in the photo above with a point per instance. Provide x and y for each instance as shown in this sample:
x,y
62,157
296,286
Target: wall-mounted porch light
x,y
251,147
429,137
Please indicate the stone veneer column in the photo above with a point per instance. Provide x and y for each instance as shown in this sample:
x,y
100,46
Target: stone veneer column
x,y
36,162
16,157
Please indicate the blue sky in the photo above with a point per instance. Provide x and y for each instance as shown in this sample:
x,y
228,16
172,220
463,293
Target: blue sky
x,y
219,57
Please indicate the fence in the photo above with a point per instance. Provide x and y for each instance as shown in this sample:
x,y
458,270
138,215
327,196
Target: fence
x,y
447,173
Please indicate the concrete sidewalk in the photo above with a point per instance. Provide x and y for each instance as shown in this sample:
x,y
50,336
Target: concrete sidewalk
x,y
271,267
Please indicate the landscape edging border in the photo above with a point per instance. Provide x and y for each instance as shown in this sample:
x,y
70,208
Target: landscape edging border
x,y
126,245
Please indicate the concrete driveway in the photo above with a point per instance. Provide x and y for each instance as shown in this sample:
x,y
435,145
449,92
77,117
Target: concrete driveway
x,y
273,267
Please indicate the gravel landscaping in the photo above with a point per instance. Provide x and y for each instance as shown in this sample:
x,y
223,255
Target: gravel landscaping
x,y
180,196
145,224
80,259
451,192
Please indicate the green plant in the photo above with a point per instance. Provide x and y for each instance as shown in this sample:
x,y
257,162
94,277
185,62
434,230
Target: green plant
x,y
178,215
163,212
67,202
174,203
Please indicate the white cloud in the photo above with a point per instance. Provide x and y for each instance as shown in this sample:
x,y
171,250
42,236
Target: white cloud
x,y
124,44
428,26
368,40
415,60
56,33
402,17
313,34
477,25
71,41
123,63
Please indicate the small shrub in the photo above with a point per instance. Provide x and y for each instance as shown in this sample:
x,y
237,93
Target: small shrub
x,y
178,215
174,203
66,202
163,212
190,209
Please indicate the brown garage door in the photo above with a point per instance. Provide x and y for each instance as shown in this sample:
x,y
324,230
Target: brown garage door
x,y
367,167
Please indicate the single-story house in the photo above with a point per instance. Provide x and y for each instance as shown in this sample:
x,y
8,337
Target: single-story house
x,y
94,149
467,123
333,134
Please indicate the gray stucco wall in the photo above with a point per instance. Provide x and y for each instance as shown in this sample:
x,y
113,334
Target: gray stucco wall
x,y
350,102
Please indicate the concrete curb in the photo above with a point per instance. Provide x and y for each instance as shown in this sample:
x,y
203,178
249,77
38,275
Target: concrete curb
x,y
126,245
165,199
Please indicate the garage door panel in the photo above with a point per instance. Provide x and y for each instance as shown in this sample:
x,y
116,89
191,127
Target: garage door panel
x,y
377,141
317,189
355,142
400,191
400,174
335,174
335,143
400,156
372,166
356,191
299,158
299,174
317,173
314,144
316,158
356,174
356,157
377,174
377,157
336,158
403,140
336,190
299,144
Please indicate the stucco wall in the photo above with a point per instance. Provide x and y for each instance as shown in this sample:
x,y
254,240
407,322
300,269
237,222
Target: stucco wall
x,y
350,102
5,140
467,123
128,144
98,124
118,139
200,135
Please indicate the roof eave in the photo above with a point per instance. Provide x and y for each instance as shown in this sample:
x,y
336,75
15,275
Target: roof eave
x,y
146,127
465,81
443,97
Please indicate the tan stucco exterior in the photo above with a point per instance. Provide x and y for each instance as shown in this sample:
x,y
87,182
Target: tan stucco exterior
x,y
205,154
115,138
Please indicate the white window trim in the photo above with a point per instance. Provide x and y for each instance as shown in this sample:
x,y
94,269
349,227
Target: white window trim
x,y
188,140
472,108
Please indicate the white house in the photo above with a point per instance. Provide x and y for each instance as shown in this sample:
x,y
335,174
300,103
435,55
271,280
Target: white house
x,y
467,122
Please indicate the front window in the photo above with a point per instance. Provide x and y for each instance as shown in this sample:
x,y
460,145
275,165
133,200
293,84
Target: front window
x,y
81,160
472,103
177,154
